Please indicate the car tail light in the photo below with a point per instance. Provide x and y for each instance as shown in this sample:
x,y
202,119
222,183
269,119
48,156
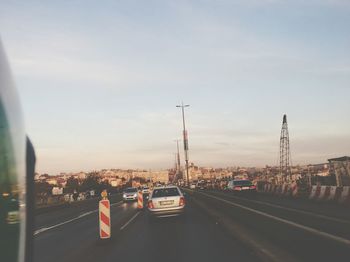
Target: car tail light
x,y
182,201
237,188
150,204
252,187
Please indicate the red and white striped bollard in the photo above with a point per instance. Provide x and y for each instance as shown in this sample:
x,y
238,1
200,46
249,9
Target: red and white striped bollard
x,y
140,200
104,209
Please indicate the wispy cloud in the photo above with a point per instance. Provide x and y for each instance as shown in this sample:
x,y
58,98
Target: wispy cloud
x,y
100,82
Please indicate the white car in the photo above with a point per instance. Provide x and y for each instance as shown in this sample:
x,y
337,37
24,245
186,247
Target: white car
x,y
166,202
130,194
145,190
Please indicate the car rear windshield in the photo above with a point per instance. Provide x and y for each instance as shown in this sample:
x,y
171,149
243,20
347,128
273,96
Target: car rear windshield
x,y
130,190
242,183
165,192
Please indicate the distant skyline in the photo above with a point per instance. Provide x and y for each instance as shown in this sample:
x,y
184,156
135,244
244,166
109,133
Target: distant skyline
x,y
99,80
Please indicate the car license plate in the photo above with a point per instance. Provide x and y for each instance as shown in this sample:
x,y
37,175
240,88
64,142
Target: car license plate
x,y
166,203
245,187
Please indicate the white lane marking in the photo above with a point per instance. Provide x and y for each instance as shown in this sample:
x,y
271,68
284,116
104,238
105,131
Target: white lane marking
x,y
285,221
115,204
291,209
130,220
41,230
63,223
274,255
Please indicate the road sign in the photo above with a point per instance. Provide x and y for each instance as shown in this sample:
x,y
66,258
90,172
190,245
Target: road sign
x,y
104,194
105,219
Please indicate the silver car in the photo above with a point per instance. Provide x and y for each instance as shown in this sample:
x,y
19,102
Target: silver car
x,y
130,194
166,202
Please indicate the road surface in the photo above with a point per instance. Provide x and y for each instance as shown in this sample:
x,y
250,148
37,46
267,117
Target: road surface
x,y
194,237
217,227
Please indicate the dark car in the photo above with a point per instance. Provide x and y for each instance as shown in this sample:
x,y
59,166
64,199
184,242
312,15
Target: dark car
x,y
201,185
241,187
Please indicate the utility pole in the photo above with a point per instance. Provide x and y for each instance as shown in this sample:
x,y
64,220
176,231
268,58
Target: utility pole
x,y
175,175
178,155
185,139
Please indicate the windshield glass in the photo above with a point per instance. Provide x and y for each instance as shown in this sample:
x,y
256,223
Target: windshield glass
x,y
242,183
165,192
235,115
130,190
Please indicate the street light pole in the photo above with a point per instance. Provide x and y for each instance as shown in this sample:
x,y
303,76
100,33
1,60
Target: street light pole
x,y
185,138
178,155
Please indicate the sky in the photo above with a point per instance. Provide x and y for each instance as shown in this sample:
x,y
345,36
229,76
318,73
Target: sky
x,y
99,81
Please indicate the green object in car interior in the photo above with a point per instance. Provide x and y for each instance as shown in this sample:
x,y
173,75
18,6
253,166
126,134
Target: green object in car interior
x,y
12,170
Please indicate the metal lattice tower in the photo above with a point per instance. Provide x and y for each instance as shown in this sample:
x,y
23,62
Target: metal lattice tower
x,y
285,157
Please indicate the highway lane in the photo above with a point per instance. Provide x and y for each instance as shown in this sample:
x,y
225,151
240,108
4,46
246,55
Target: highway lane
x,y
330,209
59,214
302,235
194,237
78,236
278,226
335,221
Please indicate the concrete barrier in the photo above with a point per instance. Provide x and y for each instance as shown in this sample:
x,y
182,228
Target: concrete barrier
x,y
273,189
315,192
265,188
294,190
285,190
345,195
324,193
318,193
330,193
333,193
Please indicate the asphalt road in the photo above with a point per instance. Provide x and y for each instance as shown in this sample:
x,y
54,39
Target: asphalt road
x,y
65,236
284,228
217,226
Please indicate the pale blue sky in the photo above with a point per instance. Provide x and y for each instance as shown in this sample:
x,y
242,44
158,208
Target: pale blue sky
x,y
99,80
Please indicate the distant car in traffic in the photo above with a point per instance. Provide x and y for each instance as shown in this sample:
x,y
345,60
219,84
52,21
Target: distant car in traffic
x,y
201,185
241,187
166,201
193,186
130,194
145,190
